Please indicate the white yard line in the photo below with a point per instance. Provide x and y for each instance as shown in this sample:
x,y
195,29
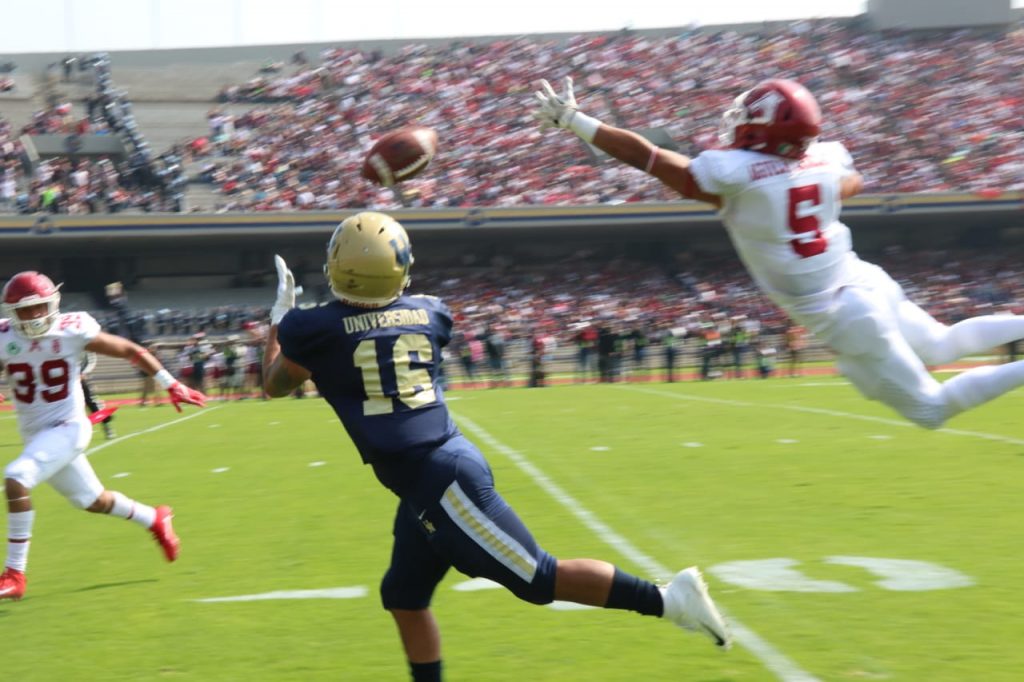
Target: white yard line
x,y
107,444
831,413
327,593
773,659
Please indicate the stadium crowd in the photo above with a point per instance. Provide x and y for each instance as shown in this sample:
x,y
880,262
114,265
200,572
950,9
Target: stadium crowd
x,y
88,184
920,113
508,311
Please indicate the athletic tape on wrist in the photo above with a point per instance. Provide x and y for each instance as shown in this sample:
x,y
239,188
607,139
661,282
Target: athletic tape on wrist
x,y
165,379
584,126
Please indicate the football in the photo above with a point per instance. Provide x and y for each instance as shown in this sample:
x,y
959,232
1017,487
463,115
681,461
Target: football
x,y
400,155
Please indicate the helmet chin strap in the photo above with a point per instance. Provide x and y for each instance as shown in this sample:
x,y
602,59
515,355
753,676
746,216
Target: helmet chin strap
x,y
36,327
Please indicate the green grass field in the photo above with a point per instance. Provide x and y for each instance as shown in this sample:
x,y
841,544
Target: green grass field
x,y
789,493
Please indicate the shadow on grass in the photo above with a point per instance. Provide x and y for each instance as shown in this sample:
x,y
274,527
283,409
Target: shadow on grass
x,y
123,583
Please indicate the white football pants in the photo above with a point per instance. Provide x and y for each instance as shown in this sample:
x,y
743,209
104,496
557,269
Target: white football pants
x,y
55,455
884,344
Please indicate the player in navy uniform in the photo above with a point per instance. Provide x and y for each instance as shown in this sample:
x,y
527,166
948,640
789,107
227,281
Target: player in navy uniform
x,y
88,364
375,354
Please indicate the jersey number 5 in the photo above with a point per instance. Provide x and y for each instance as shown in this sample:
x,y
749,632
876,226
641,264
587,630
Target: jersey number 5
x,y
53,374
412,387
804,206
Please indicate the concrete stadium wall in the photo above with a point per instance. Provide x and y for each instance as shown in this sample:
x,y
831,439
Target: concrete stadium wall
x,y
929,14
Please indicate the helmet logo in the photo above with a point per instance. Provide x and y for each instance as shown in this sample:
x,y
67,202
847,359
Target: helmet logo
x,y
763,109
403,254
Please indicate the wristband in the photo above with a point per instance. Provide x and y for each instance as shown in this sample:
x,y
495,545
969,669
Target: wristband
x,y
584,126
164,378
651,159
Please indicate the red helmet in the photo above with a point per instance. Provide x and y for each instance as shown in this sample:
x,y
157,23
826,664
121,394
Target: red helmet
x,y
26,289
777,117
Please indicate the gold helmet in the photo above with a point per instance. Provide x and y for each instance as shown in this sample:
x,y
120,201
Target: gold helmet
x,y
368,260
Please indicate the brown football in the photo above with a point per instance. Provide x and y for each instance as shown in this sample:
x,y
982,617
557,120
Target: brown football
x,y
400,155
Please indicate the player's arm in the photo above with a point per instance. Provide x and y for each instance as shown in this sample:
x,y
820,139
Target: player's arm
x,y
281,376
119,347
851,185
672,168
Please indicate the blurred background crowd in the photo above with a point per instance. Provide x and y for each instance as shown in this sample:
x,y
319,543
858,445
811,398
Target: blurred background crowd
x,y
602,321
921,112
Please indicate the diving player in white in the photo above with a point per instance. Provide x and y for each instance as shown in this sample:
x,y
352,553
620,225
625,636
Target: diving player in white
x,y
41,348
779,193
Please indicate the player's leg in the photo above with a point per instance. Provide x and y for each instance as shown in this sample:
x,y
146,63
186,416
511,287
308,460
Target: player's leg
x,y
20,518
904,383
936,343
876,357
482,536
90,399
80,486
406,592
44,455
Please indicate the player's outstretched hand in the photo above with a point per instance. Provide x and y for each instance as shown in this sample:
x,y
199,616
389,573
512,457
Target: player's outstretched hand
x,y
285,291
554,110
180,393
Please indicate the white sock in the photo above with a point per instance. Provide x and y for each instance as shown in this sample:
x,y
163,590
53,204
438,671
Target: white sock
x,y
127,508
981,384
19,527
17,555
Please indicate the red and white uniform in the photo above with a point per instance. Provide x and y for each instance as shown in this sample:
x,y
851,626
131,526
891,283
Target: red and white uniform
x,y
44,377
44,372
782,216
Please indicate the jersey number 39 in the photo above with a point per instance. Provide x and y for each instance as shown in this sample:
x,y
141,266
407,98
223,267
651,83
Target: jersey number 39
x,y
53,375
413,387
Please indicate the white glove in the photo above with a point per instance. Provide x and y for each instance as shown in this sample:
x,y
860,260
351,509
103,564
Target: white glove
x,y
555,111
285,291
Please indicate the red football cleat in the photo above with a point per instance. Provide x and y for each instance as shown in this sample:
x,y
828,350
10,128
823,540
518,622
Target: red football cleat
x,y
163,531
12,584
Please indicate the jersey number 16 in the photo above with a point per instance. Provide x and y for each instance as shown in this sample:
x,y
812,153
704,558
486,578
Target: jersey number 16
x,y
413,387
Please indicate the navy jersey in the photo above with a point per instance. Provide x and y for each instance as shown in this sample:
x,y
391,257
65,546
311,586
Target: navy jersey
x,y
378,369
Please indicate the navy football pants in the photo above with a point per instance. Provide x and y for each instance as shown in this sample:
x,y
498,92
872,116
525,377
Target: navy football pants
x,y
451,516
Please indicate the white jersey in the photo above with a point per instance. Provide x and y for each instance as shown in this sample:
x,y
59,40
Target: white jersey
x,y
783,218
44,372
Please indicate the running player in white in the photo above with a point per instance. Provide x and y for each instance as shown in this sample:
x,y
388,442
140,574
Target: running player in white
x,y
779,193
40,348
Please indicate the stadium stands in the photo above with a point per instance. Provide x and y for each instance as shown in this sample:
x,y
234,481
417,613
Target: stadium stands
x,y
921,112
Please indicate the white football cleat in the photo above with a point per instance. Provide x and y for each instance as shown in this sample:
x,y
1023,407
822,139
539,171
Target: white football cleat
x,y
688,605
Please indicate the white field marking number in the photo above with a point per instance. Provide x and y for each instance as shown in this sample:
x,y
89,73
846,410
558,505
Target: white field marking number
x,y
782,575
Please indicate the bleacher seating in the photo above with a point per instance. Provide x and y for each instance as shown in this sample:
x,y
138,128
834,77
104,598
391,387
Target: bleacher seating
x,y
920,112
